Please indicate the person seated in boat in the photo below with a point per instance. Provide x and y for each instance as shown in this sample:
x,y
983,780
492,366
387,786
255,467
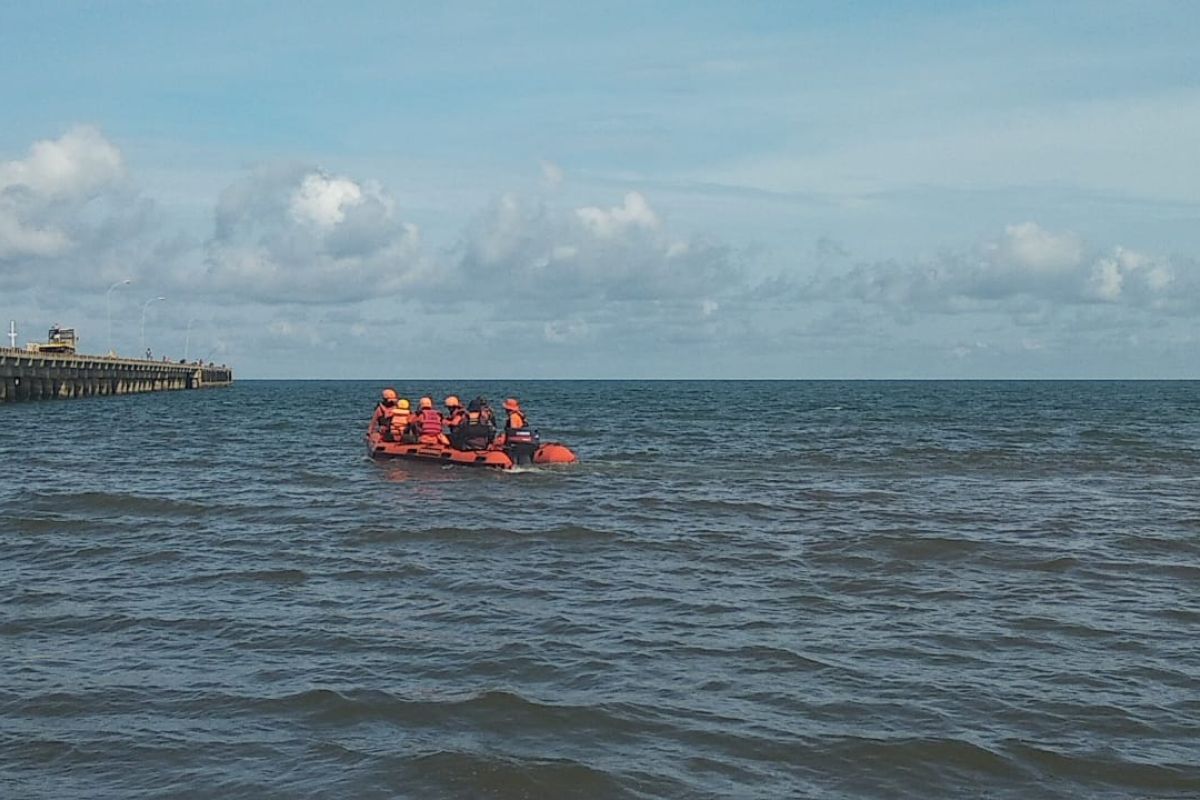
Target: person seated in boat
x,y
480,404
518,439
429,424
477,429
455,414
382,419
404,422
516,417
515,424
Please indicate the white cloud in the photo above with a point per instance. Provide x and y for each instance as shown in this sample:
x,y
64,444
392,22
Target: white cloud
x,y
1030,246
40,193
22,239
1106,280
547,258
1125,272
66,206
297,234
635,213
77,164
322,200
1025,264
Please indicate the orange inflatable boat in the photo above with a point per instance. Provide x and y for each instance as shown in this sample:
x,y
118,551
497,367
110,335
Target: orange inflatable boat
x,y
498,458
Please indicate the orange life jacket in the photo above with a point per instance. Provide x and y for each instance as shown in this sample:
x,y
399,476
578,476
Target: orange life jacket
x,y
515,420
456,418
431,422
400,420
382,414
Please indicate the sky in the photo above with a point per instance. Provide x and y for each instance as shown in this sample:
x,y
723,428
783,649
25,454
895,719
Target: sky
x,y
618,190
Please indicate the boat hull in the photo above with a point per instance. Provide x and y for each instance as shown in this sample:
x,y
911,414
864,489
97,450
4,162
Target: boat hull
x,y
381,449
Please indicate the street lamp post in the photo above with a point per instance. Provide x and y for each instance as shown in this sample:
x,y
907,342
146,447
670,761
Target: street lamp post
x,y
187,340
145,307
108,309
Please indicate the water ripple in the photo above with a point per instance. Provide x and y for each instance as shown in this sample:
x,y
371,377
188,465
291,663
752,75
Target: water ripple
x,y
908,590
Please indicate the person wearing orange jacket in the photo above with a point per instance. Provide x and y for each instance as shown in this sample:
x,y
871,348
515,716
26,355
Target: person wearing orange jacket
x,y
516,421
381,419
519,440
516,417
429,424
455,414
403,422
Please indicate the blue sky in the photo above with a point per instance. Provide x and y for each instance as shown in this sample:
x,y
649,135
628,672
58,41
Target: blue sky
x,y
866,189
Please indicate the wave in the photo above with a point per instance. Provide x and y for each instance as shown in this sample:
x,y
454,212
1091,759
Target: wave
x,y
1108,769
464,773
93,502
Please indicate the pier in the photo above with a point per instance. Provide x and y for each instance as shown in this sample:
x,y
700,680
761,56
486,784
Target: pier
x,y
26,375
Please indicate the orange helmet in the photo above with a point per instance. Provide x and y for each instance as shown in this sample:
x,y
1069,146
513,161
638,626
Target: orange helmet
x,y
511,404
452,402
389,394
426,402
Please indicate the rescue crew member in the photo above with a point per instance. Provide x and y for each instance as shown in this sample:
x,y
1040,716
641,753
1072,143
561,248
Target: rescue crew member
x,y
454,414
477,429
480,404
381,420
403,422
516,418
515,422
519,440
430,424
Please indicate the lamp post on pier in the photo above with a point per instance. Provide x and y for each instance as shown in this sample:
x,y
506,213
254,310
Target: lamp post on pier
x,y
187,340
108,309
145,307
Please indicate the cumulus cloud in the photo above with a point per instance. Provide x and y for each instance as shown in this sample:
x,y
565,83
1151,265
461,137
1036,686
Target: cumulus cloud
x,y
66,210
298,234
1028,246
322,200
550,257
78,164
1026,263
39,193
613,222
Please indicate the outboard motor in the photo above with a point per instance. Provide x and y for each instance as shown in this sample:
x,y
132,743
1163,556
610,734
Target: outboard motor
x,y
521,444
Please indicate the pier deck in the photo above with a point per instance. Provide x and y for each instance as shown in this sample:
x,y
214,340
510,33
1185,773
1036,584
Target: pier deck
x,y
43,376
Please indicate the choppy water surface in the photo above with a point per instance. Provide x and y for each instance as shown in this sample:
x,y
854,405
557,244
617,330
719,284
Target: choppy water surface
x,y
745,590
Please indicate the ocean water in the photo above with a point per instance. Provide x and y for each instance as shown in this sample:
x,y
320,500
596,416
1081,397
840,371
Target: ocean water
x,y
744,590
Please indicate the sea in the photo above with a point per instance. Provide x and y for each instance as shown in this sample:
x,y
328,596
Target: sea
x,y
742,590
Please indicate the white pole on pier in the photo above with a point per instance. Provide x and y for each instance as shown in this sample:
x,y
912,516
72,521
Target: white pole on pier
x,y
146,306
108,309
12,334
187,340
